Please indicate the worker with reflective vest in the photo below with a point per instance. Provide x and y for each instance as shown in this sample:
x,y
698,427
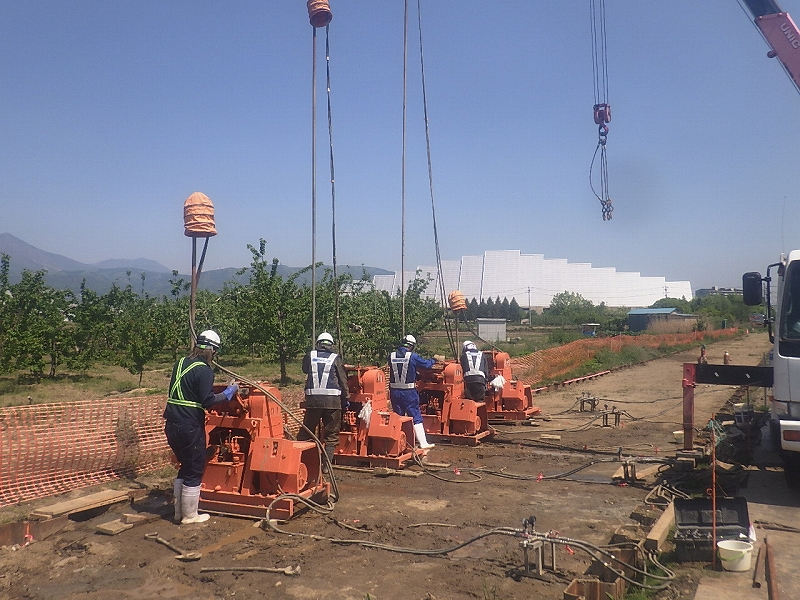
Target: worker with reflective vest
x,y
190,394
327,395
475,366
403,365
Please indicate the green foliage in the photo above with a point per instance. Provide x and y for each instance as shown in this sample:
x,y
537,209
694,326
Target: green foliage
x,y
140,333
33,317
270,315
559,337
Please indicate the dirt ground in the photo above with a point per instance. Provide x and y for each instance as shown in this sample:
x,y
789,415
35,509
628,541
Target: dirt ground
x,y
442,508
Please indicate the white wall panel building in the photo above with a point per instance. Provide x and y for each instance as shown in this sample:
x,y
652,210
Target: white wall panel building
x,y
533,280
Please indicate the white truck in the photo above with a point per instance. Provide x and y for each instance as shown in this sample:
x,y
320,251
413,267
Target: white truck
x,y
784,331
783,37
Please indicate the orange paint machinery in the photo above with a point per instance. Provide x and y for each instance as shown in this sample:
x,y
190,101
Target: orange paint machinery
x,y
514,401
372,435
446,414
254,469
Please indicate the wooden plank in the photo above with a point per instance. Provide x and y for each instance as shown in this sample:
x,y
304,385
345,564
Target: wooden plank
x,y
550,436
127,521
14,533
642,473
113,527
659,532
96,500
400,473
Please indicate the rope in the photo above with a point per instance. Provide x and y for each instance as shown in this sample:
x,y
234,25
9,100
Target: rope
x,y
602,109
333,193
403,179
314,185
440,272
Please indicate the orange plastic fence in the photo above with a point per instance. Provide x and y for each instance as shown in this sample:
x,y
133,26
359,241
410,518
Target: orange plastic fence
x,y
553,362
49,449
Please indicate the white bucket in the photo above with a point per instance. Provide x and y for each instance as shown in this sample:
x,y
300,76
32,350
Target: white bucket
x,y
678,435
735,555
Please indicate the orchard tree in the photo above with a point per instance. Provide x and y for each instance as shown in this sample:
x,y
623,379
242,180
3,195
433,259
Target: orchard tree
x,y
141,335
34,323
572,308
272,312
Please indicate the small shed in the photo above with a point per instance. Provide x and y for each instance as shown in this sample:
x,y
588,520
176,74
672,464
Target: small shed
x,y
660,320
491,330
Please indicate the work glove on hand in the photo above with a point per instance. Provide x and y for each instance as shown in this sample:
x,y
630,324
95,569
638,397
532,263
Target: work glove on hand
x,y
345,405
229,391
438,357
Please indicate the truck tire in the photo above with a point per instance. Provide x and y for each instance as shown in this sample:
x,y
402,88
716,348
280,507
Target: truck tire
x,y
791,471
775,434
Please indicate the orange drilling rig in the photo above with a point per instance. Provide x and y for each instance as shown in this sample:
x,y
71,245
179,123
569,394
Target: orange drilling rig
x,y
253,470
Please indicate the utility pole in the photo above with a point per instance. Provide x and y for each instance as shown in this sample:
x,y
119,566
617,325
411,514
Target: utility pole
x,y
530,323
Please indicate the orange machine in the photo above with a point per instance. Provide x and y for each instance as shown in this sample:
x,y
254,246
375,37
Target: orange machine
x,y
514,402
372,435
253,465
446,414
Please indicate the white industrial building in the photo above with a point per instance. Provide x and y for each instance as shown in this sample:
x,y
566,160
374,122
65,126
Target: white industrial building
x,y
533,280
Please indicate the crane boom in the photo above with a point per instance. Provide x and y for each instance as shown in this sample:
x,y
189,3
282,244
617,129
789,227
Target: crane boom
x,y
781,34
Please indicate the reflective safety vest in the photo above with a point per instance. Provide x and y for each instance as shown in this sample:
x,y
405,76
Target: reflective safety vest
x,y
398,376
176,391
473,360
319,376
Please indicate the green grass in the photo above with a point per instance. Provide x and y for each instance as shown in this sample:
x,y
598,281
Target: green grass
x,y
100,381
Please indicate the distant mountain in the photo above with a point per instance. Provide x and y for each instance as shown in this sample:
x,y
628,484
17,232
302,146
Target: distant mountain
x,y
24,256
145,264
65,273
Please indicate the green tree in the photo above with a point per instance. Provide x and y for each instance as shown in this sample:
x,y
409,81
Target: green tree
x,y
34,326
472,310
514,311
571,308
682,304
141,335
273,313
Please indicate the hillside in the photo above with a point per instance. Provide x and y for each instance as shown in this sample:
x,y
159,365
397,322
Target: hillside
x,y
65,273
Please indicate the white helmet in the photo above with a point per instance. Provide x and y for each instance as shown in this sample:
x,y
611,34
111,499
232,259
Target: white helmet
x,y
208,339
409,341
325,338
470,345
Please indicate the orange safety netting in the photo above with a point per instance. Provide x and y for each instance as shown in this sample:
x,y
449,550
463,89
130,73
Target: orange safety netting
x,y
554,362
49,449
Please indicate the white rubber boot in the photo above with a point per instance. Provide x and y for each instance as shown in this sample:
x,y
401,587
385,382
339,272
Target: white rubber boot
x,y
177,491
419,433
189,501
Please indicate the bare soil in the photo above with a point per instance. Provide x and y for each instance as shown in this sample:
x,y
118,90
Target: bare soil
x,y
440,509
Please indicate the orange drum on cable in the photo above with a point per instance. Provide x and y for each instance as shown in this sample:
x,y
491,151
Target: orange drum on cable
x,y
319,13
198,216
457,301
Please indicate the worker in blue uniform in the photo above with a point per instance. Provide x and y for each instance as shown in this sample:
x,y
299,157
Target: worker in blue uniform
x,y
327,394
403,365
190,395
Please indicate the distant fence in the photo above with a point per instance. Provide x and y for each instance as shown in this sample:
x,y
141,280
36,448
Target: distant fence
x,y
551,363
49,449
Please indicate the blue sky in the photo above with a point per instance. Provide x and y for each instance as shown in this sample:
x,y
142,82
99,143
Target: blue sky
x,y
112,113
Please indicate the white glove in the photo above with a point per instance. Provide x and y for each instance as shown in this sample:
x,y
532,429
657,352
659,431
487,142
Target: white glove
x,y
366,412
498,382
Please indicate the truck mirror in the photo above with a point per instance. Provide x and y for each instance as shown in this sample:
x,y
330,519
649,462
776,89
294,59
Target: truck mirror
x,y
752,289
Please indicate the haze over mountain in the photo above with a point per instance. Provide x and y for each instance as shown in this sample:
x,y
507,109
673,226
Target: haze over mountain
x,y
65,273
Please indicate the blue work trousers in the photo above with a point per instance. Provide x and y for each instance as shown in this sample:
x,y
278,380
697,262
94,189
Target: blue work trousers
x,y
406,404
